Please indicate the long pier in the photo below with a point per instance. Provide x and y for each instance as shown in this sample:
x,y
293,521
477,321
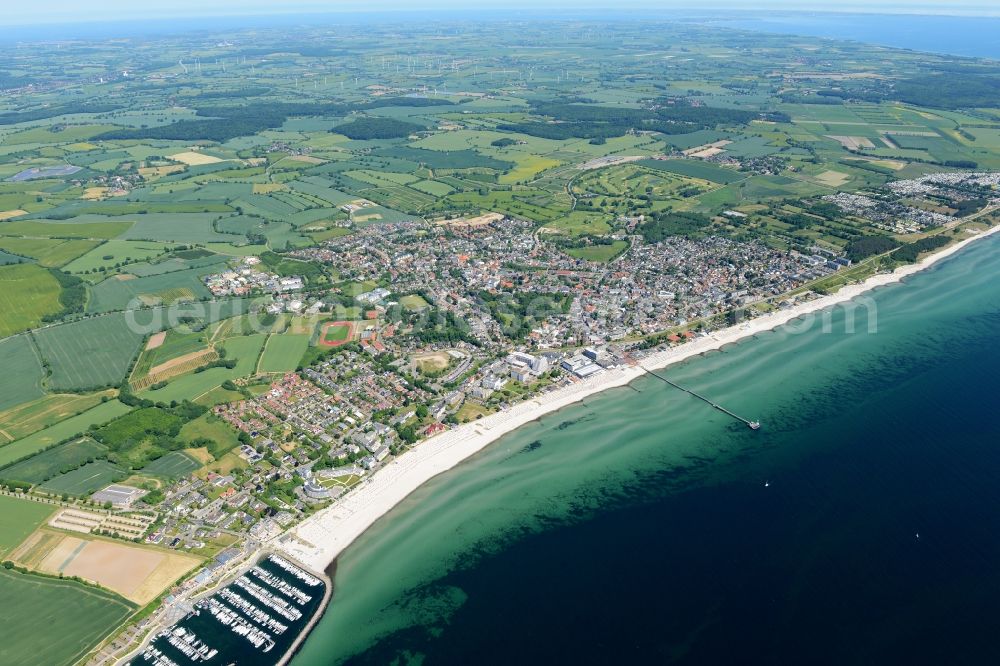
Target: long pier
x,y
753,425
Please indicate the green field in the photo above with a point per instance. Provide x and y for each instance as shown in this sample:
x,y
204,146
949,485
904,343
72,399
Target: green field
x,y
695,169
172,466
414,302
70,618
89,353
115,294
63,430
284,352
245,349
114,252
176,228
579,223
218,396
30,417
220,436
18,519
336,333
433,187
598,253
23,372
27,293
52,462
48,229
178,342
49,252
84,480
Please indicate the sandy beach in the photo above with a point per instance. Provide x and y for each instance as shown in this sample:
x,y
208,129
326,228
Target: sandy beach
x,y
317,541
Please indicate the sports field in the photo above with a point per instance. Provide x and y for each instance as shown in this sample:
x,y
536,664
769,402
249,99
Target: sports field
x,y
74,425
23,373
18,519
83,481
89,353
75,618
27,293
283,352
336,333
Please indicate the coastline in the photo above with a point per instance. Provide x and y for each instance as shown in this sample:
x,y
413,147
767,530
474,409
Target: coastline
x,y
317,541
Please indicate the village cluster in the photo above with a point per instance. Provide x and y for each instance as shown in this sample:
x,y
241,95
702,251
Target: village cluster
x,y
478,272
459,319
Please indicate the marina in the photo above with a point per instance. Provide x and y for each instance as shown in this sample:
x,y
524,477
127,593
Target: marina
x,y
257,619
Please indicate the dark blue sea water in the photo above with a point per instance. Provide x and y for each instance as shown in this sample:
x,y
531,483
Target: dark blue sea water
x,y
861,525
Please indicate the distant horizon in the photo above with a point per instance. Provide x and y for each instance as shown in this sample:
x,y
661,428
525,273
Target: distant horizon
x,y
63,12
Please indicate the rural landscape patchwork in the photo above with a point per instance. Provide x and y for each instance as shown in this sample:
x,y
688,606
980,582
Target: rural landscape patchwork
x,y
242,273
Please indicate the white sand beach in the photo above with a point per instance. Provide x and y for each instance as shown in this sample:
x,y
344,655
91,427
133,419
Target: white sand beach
x,y
317,541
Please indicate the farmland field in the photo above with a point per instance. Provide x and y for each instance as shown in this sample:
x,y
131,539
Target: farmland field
x,y
48,252
115,294
176,227
115,251
63,430
75,617
85,480
245,349
176,343
283,352
49,229
33,416
18,519
50,463
138,573
23,372
27,293
172,466
695,169
89,353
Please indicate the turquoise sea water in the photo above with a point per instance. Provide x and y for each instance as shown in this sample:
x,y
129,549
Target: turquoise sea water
x,y
861,525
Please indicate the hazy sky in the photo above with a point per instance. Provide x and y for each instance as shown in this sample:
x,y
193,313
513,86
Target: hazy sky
x,y
57,11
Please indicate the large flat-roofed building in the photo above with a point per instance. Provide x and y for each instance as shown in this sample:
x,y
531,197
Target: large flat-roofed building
x,y
121,497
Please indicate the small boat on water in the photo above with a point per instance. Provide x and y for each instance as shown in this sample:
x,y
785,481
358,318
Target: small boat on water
x,y
754,425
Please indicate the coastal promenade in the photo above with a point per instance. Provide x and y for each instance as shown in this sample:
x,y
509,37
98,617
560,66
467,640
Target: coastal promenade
x,y
317,541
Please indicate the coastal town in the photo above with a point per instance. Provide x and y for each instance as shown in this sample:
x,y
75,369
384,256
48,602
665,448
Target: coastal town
x,y
458,321
259,286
